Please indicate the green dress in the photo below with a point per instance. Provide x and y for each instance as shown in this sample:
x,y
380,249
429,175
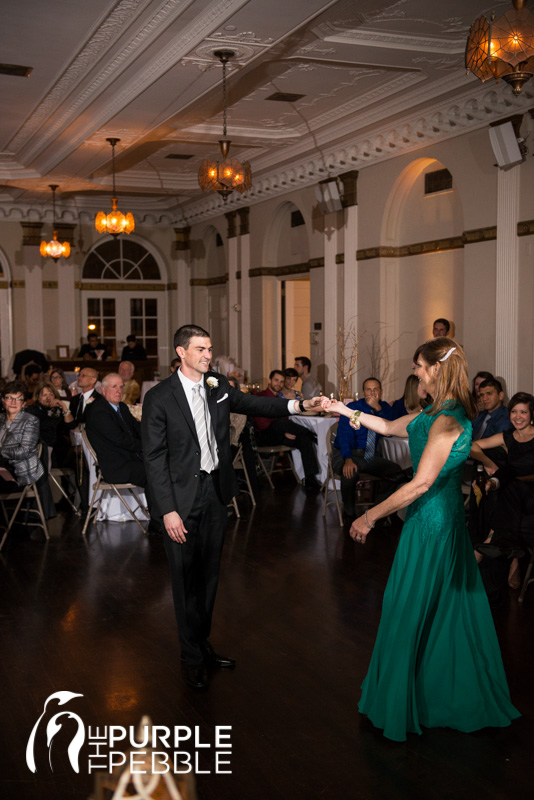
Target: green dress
x,y
436,660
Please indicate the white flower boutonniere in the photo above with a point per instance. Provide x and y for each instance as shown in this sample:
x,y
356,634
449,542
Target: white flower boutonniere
x,y
212,382
89,400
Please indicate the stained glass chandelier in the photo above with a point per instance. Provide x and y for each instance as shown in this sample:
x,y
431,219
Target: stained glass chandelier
x,y
54,249
226,175
504,47
115,222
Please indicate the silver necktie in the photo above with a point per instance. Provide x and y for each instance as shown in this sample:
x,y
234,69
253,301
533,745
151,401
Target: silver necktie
x,y
199,416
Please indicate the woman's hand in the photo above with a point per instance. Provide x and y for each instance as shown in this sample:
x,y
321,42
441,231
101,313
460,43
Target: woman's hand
x,y
359,530
337,407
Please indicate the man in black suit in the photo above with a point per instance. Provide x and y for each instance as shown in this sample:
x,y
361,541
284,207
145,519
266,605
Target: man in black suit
x,y
186,445
87,378
115,435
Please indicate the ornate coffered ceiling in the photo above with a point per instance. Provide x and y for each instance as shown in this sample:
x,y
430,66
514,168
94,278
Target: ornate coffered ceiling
x,y
377,77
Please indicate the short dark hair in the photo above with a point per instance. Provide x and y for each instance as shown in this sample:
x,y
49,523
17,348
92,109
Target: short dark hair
x,y
305,361
32,369
491,382
371,379
175,361
522,397
92,335
14,387
275,372
442,321
183,335
131,337
289,372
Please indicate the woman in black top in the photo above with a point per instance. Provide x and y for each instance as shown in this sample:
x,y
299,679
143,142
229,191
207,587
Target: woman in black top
x,y
54,422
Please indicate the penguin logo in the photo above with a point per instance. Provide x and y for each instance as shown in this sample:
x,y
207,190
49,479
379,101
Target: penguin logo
x,y
54,727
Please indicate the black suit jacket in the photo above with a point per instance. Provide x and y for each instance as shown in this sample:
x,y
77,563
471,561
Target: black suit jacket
x,y
170,443
116,440
75,402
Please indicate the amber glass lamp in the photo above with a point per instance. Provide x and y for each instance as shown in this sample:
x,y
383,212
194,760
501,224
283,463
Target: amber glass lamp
x,y
115,222
54,249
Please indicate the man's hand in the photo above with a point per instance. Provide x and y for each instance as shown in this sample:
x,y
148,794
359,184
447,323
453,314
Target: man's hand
x,y
290,436
349,468
315,402
174,526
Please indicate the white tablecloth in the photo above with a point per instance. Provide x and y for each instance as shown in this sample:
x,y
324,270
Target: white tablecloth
x,y
111,509
320,426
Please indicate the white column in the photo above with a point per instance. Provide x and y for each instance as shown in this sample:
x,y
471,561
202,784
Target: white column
x,y
182,312
350,275
246,323
331,321
506,353
33,289
67,304
233,298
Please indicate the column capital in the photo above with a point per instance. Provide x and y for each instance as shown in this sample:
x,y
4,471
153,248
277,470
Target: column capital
x,y
31,233
183,241
244,221
350,186
231,218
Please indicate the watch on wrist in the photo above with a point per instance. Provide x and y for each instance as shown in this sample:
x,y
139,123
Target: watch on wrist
x,y
301,406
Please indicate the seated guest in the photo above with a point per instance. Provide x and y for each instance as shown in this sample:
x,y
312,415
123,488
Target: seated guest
x,y
19,447
441,327
479,378
116,438
131,390
58,380
175,363
53,423
93,349
288,390
284,431
134,350
87,394
33,375
354,451
310,386
410,402
24,357
494,418
514,496
244,436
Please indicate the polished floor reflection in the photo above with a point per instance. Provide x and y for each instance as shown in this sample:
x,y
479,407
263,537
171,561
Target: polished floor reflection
x,y
298,607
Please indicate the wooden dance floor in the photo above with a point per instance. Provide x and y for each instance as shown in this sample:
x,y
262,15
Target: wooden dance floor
x,y
298,607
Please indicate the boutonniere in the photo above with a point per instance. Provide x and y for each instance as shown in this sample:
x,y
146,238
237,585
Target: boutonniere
x,y
90,400
213,383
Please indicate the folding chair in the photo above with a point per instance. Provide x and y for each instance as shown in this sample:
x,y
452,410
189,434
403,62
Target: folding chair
x,y
101,486
272,452
239,463
331,476
28,491
61,472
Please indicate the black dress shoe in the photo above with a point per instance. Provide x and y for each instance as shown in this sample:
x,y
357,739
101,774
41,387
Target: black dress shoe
x,y
311,482
195,676
213,659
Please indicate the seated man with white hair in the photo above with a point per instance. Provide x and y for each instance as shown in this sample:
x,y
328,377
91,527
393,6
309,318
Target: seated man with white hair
x,y
131,390
116,438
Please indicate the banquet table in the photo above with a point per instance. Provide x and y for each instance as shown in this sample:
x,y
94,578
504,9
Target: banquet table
x,y
320,426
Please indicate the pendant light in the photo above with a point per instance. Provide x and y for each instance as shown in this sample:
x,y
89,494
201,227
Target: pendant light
x,y
54,249
115,222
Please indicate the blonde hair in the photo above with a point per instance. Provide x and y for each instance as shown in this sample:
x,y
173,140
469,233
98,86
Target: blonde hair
x,y
412,401
452,381
45,385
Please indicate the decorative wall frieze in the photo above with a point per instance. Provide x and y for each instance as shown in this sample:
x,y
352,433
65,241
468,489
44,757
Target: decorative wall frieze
x,y
525,228
50,284
120,286
216,281
4,284
171,287
432,246
18,284
471,110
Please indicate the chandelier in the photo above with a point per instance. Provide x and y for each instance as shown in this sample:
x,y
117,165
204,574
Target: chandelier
x,y
229,174
115,222
503,48
54,249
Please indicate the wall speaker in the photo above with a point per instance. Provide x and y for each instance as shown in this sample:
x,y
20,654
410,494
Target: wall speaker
x,y
328,197
505,145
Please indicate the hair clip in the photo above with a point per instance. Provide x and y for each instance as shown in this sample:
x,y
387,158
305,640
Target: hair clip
x,y
447,354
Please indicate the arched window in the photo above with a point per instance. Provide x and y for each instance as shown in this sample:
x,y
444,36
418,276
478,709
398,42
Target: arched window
x,y
121,260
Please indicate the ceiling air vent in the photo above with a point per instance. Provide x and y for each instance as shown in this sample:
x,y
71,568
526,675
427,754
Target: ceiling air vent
x,y
15,70
285,97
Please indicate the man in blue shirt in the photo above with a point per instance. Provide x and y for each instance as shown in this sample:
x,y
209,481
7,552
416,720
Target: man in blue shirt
x,y
494,418
354,451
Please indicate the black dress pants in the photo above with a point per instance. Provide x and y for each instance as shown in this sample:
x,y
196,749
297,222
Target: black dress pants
x,y
378,466
304,441
194,568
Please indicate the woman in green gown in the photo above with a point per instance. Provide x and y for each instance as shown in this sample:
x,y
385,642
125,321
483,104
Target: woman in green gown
x,y
436,660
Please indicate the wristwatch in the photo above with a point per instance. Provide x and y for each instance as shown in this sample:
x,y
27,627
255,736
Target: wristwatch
x,y
301,406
